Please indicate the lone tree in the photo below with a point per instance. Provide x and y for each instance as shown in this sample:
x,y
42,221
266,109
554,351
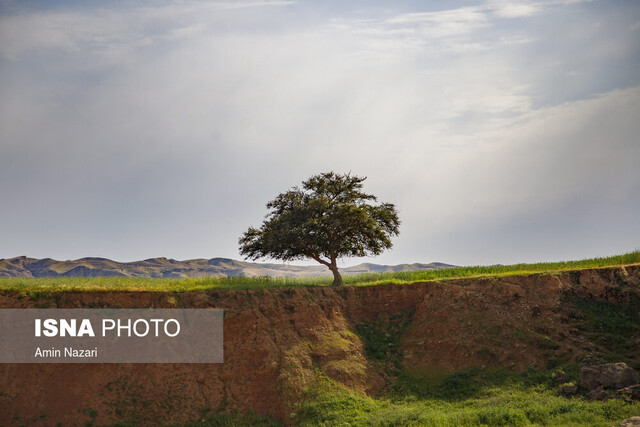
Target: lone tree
x,y
328,218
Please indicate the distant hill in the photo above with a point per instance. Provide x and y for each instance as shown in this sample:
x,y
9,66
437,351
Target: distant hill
x,y
163,267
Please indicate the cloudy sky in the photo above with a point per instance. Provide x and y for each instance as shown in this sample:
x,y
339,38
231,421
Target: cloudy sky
x,y
503,131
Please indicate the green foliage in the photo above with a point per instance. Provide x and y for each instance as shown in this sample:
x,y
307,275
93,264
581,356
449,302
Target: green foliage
x,y
468,384
29,286
467,398
328,218
91,413
614,328
382,338
328,403
235,419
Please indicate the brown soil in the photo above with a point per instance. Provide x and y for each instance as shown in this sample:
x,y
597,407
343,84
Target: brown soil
x,y
277,342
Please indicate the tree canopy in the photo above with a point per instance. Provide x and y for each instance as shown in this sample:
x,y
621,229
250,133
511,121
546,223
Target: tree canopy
x,y
329,217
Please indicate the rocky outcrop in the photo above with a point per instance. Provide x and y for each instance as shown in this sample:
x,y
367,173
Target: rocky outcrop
x,y
568,389
631,392
631,422
608,376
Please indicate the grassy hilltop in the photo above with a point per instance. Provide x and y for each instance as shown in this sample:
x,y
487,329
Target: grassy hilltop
x,y
62,284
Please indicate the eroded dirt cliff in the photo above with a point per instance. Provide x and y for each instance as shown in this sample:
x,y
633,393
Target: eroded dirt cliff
x,y
277,343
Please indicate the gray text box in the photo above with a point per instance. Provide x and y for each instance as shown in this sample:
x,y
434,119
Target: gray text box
x,y
111,335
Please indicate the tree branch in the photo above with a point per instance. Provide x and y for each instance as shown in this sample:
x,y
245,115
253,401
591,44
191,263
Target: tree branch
x,y
320,260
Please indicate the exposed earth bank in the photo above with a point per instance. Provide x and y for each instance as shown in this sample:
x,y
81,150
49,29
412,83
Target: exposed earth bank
x,y
278,343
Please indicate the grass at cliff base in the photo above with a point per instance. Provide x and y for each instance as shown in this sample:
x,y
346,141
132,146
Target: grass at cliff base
x,y
467,398
63,284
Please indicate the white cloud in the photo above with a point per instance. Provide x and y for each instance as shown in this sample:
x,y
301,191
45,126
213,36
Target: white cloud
x,y
245,4
515,9
509,9
106,31
538,161
187,118
419,30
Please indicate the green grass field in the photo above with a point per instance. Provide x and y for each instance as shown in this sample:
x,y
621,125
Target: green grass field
x,y
61,284
467,398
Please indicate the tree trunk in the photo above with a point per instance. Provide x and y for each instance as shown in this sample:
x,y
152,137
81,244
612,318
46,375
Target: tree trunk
x,y
337,278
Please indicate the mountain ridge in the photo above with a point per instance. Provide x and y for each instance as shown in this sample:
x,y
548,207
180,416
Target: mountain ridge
x,y
162,267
